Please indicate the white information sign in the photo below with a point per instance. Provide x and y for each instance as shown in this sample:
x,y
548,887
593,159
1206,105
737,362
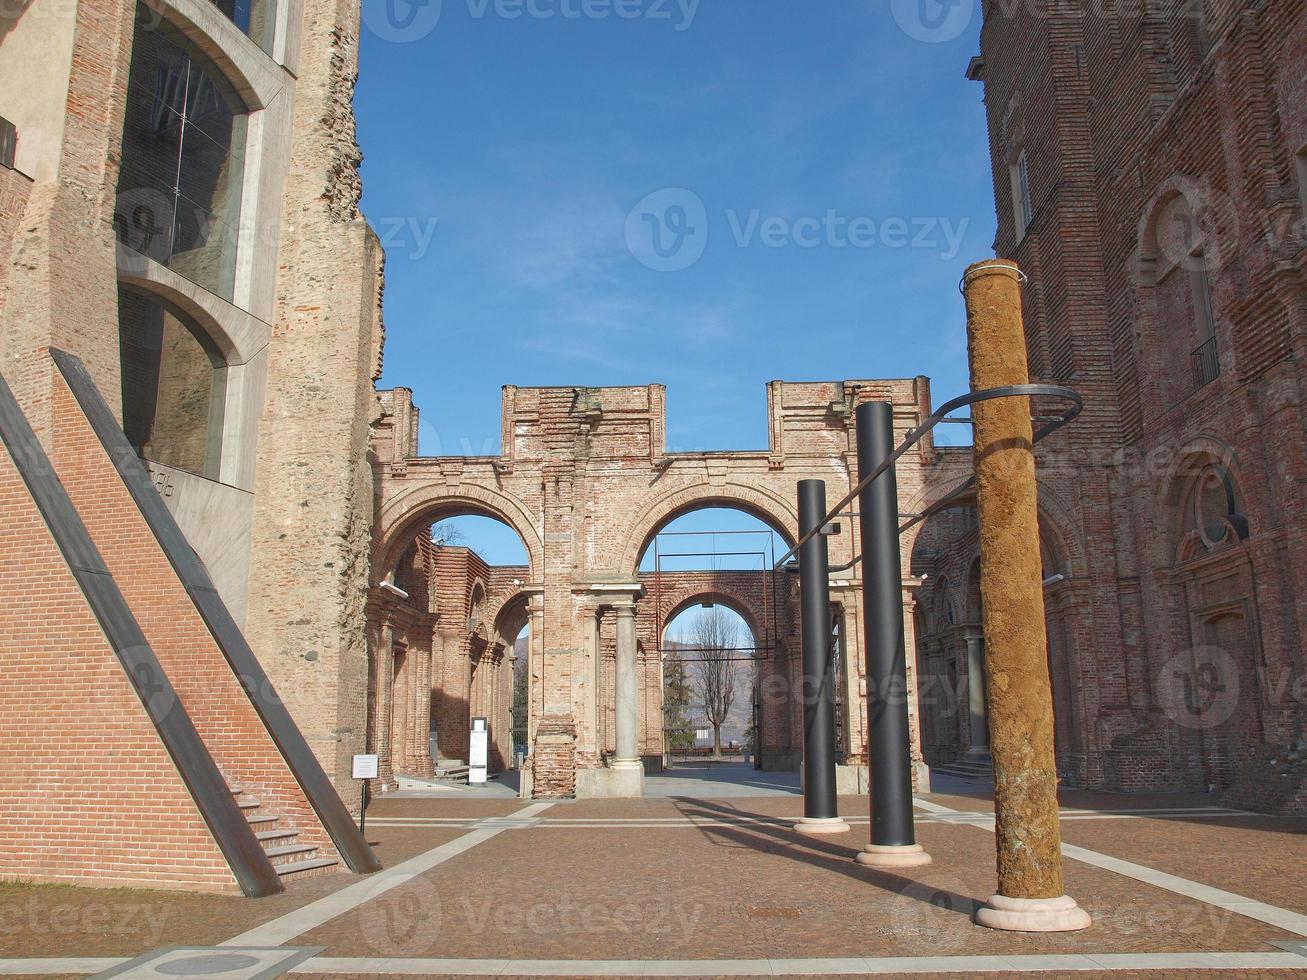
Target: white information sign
x,y
478,753
365,767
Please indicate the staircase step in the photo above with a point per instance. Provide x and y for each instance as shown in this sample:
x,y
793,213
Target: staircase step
x,y
298,866
267,835
249,803
262,817
290,850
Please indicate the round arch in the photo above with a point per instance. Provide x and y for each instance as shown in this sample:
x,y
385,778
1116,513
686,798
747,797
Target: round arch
x,y
137,275
687,598
407,511
768,507
1055,523
509,614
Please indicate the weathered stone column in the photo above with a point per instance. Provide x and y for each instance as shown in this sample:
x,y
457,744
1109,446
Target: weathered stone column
x,y
976,694
626,689
1030,888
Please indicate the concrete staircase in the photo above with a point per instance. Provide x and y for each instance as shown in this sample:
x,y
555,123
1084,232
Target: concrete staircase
x,y
973,768
453,770
290,858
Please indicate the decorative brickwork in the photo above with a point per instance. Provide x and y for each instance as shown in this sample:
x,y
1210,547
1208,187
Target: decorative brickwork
x,y
1167,253
586,481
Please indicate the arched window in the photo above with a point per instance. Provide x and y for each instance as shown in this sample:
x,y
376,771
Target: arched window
x,y
257,18
179,188
1177,265
1211,514
174,386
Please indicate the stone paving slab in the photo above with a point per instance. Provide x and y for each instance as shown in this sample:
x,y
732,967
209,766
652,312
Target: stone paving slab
x,y
720,880
747,892
1271,864
41,920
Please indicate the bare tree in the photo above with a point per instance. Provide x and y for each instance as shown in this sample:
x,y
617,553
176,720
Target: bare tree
x,y
446,533
716,634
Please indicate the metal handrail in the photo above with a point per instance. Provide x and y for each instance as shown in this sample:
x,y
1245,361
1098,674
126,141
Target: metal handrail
x,y
914,436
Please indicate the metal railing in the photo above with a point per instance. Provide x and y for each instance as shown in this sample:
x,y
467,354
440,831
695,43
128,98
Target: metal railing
x,y
1049,424
1206,363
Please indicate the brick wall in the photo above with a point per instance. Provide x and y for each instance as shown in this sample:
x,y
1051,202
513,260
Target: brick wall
x,y
90,795
208,689
1159,144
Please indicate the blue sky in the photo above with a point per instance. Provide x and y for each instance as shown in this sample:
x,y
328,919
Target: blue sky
x,y
705,194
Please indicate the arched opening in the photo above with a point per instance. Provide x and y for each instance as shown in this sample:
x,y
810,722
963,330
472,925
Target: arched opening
x,y
183,158
710,708
950,647
1179,250
718,631
450,620
173,385
1212,691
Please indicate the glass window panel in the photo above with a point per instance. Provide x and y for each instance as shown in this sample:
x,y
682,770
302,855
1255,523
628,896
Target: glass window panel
x,y
257,18
143,214
211,105
173,386
183,160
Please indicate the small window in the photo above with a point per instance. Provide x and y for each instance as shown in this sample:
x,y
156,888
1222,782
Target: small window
x,y
1023,211
173,386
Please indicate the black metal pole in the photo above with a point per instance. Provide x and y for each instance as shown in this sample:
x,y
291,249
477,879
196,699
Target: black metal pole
x,y
893,841
819,806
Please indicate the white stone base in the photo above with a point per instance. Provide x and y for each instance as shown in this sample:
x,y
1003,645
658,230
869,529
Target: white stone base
x,y
893,856
1060,914
615,782
822,825
851,780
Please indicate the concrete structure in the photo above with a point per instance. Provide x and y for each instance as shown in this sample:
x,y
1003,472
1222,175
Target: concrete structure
x,y
1150,173
585,480
182,217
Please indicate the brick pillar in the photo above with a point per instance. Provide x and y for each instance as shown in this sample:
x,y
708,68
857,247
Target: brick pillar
x,y
385,674
419,736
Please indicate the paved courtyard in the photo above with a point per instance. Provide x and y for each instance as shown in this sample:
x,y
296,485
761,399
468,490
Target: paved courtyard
x,y
688,885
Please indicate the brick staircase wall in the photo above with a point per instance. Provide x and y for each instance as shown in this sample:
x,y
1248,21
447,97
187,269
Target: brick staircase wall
x,y
226,720
88,792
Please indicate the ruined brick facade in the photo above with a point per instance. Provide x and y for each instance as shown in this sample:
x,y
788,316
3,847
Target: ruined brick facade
x,y
1150,174
279,401
586,482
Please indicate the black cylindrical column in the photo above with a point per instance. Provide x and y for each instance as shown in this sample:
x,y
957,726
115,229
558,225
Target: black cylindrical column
x,y
893,841
820,813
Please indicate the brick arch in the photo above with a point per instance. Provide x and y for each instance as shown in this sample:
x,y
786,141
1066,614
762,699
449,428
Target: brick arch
x,y
716,590
401,516
1199,197
509,608
763,504
1178,479
1056,526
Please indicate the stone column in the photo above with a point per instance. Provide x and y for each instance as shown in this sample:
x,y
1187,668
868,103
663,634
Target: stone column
x,y
627,689
1030,894
976,694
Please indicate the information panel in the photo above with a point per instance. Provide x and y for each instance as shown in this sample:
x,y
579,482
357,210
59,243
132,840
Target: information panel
x,y
478,752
